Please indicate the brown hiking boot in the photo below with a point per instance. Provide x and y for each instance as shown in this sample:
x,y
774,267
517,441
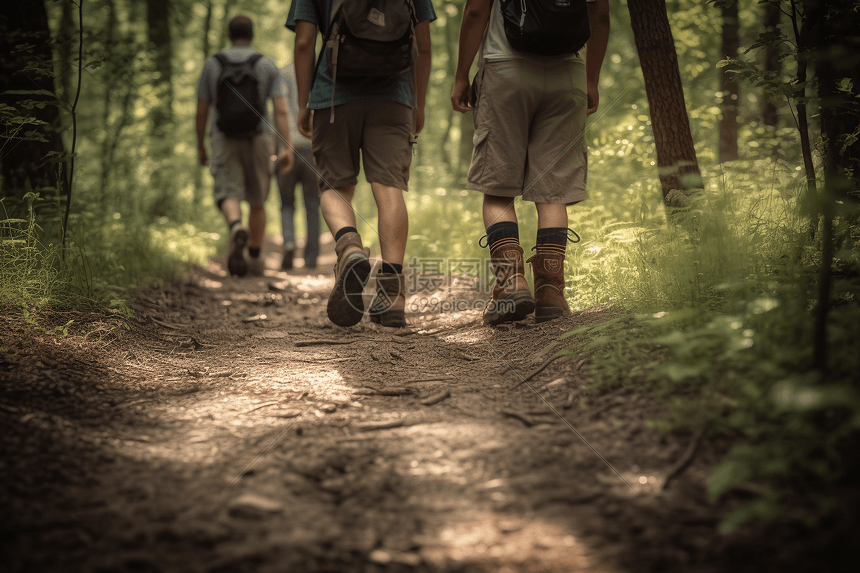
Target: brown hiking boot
x,y
511,297
287,261
236,263
389,304
548,273
345,305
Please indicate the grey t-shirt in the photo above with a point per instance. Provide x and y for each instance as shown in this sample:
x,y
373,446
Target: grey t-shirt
x,y
269,80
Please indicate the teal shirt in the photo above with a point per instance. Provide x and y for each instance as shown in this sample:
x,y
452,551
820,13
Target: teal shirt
x,y
398,89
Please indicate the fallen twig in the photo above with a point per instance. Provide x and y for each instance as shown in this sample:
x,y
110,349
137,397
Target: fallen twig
x,y
264,405
325,342
538,370
436,398
383,391
165,324
385,425
427,380
685,460
611,404
517,416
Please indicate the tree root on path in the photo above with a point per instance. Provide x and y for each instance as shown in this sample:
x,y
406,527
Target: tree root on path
x,y
685,460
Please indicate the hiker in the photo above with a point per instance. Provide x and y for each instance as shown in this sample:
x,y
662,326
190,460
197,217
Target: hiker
x,y
303,173
237,82
531,95
353,100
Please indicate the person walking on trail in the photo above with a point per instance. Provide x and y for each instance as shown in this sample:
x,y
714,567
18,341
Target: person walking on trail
x,y
303,173
355,100
530,99
237,83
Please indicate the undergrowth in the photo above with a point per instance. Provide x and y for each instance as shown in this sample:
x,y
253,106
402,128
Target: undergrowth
x,y
36,273
719,300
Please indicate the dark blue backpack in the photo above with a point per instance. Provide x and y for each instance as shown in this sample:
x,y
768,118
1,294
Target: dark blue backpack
x,y
546,27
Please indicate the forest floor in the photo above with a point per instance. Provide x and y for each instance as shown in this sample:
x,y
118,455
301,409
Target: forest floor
x,y
231,427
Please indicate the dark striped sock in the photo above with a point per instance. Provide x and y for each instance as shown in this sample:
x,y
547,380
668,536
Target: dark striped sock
x,y
254,252
392,269
502,234
551,241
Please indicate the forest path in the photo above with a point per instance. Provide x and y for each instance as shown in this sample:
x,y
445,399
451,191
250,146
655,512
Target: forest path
x,y
232,428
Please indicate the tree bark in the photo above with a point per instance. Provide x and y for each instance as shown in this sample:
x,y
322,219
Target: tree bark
x,y
676,157
772,65
729,87
158,26
29,162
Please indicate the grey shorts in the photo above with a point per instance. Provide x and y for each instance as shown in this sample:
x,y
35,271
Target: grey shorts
x,y
242,169
380,129
529,130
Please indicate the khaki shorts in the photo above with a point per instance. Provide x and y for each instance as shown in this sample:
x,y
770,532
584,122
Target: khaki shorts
x,y
380,129
529,130
242,168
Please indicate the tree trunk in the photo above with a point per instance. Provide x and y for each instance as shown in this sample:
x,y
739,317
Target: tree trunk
x,y
729,87
676,157
158,26
25,161
772,65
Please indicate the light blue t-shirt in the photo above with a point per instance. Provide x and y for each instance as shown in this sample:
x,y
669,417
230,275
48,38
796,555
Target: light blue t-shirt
x,y
398,89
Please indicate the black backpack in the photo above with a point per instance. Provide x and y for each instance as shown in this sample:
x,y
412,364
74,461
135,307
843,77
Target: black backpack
x,y
370,38
237,98
546,27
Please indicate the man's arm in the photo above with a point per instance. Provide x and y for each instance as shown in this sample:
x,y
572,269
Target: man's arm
x,y
282,126
202,116
598,17
422,32
475,18
306,35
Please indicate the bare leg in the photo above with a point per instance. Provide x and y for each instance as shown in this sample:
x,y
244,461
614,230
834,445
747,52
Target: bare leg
x,y
257,224
498,209
551,215
393,222
336,206
231,208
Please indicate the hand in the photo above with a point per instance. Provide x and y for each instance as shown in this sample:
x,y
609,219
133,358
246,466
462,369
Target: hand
x,y
593,98
461,95
419,120
306,122
285,159
201,155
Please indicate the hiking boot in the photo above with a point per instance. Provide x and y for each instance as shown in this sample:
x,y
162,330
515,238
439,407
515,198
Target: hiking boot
x,y
287,263
548,273
236,263
345,305
389,304
256,266
511,297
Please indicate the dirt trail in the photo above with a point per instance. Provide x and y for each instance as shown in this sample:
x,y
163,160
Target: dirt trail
x,y
226,431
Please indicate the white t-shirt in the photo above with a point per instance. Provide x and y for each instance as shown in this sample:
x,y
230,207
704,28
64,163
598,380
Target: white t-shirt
x,y
495,46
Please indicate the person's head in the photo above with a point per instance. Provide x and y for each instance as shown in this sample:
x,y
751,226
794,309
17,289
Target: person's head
x,y
240,29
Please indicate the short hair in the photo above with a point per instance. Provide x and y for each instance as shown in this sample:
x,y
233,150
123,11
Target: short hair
x,y
240,28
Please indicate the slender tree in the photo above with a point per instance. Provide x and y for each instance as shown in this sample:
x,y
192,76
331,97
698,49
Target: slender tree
x,y
676,157
729,85
31,151
772,65
158,27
